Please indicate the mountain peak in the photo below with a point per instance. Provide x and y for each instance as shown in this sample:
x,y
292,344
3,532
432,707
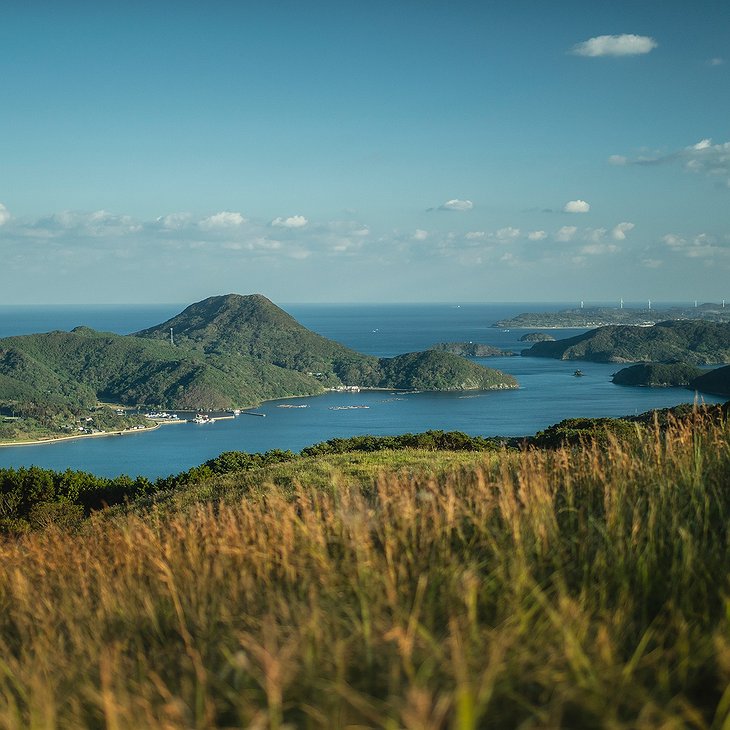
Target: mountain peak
x,y
252,325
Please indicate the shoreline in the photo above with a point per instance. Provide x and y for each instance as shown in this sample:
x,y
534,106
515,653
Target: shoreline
x,y
125,432
158,424
74,437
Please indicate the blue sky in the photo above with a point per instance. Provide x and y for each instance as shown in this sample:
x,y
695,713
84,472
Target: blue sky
x,y
350,151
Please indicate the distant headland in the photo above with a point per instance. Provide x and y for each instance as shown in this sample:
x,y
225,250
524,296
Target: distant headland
x,y
601,316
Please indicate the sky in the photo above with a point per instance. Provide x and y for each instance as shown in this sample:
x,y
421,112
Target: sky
x,y
339,151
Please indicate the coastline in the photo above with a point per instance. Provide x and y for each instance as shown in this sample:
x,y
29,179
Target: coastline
x,y
158,424
74,437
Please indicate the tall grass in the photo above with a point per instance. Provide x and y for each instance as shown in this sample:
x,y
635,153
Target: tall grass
x,y
583,587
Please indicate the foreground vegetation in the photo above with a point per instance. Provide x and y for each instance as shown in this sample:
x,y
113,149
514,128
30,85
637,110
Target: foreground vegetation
x,y
580,586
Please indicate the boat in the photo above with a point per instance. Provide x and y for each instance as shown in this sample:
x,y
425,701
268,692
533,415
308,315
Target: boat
x,y
578,374
201,418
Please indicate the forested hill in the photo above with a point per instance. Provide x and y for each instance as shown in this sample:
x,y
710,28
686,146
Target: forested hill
x,y
254,326
231,351
80,367
695,343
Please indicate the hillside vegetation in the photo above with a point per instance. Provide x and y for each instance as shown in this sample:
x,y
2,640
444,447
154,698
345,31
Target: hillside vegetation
x,y
658,375
578,586
716,381
230,351
694,343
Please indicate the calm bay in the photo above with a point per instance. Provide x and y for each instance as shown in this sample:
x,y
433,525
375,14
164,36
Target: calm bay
x,y
548,391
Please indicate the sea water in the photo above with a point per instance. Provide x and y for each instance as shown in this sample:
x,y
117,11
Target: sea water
x,y
548,390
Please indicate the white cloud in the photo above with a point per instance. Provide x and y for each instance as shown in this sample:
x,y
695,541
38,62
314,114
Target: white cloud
x,y
294,221
619,231
224,219
709,158
717,61
566,233
701,245
420,235
576,206
626,44
595,235
95,224
475,235
457,205
4,215
174,221
701,157
537,235
673,241
507,234
617,160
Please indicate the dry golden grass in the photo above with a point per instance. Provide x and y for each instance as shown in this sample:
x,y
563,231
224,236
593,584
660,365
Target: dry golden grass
x,y
575,588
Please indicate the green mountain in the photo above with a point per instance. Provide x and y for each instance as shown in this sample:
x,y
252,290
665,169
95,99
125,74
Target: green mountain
x,y
695,343
255,327
230,351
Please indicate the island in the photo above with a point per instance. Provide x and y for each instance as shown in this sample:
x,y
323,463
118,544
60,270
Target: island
x,y
692,342
224,352
590,317
472,349
537,337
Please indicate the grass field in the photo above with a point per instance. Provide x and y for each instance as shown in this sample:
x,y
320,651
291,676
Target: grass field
x,y
578,587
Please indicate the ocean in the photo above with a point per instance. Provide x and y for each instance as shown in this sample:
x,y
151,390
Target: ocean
x,y
548,391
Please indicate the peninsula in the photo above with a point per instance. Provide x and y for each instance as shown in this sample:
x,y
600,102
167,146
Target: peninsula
x,y
658,375
224,352
690,342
